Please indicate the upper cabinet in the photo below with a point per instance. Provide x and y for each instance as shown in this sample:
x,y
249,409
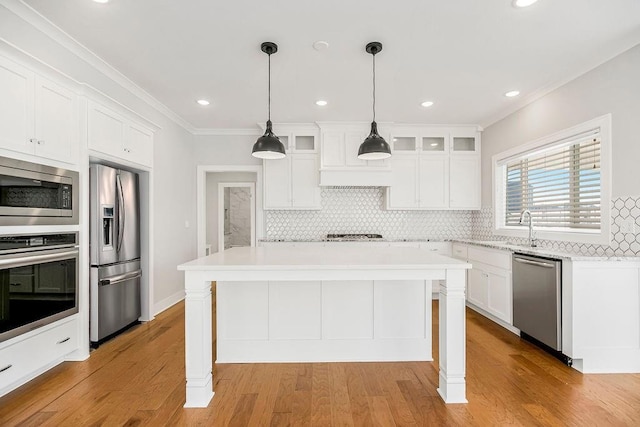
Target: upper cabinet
x,y
112,133
292,183
339,162
434,168
38,116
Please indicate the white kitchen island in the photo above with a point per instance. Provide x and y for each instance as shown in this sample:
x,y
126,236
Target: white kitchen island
x,y
321,305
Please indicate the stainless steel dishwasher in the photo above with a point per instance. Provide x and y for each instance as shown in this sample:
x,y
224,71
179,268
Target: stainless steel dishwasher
x,y
537,298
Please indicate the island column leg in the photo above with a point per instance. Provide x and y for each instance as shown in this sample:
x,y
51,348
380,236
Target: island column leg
x,y
198,340
452,387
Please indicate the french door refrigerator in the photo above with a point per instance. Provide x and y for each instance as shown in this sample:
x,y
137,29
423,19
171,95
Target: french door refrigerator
x,y
115,251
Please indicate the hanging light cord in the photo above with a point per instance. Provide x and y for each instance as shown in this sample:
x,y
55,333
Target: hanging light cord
x,y
374,87
269,86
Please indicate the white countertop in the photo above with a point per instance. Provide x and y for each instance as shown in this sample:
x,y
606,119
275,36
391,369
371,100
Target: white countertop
x,y
548,252
323,258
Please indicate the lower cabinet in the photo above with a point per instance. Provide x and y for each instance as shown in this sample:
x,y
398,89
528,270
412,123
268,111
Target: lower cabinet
x,y
489,284
489,288
24,359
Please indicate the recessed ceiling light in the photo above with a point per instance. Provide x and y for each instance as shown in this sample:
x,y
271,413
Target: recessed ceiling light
x,y
434,144
203,102
523,3
512,93
427,103
321,45
101,1
321,103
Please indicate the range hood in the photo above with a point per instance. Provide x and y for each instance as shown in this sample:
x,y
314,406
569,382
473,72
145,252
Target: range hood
x,y
353,177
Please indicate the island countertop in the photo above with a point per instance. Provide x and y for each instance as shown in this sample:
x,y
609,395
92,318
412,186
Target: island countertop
x,y
324,304
323,258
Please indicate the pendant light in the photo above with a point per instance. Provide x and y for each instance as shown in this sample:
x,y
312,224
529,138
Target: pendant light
x,y
268,146
374,147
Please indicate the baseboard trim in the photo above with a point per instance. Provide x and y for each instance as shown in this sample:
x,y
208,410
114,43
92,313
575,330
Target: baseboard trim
x,y
171,300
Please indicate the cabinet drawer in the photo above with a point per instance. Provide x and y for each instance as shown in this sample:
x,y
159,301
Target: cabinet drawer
x,y
495,257
459,251
21,359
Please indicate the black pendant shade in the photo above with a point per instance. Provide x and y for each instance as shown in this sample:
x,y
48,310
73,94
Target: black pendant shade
x,y
374,147
269,146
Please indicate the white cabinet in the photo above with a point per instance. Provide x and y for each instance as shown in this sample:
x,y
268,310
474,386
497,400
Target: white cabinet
x,y
464,185
434,168
21,359
489,284
340,144
39,117
114,134
293,182
405,182
339,162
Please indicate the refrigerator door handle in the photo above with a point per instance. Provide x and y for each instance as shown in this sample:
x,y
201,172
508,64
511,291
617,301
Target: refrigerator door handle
x,y
121,209
121,278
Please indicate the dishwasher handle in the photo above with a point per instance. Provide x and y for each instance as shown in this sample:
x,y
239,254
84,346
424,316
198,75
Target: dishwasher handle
x,y
536,263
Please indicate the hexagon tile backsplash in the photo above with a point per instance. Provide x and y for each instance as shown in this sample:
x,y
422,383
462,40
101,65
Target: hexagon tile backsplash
x,y
624,210
361,210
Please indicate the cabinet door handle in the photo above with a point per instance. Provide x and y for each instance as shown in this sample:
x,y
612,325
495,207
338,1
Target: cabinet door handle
x,y
33,140
5,368
41,142
64,340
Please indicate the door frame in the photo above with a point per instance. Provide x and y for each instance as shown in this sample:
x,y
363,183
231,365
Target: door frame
x,y
252,188
201,200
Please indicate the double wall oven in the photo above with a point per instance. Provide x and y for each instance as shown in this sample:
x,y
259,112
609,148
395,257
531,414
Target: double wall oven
x,y
38,270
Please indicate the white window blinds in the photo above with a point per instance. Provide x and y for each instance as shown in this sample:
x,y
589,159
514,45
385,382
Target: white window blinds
x,y
560,184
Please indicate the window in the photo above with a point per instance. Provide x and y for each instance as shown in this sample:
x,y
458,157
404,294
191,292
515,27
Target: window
x,y
562,180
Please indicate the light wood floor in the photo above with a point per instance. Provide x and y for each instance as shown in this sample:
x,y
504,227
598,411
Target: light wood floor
x,y
138,379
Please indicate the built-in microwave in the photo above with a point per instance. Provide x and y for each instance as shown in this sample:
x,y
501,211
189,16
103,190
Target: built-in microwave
x,y
38,281
34,194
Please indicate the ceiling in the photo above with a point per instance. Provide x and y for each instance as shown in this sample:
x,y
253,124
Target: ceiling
x,y
463,55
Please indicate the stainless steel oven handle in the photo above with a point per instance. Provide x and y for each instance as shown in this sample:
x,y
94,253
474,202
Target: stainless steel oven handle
x,y
537,263
121,278
37,259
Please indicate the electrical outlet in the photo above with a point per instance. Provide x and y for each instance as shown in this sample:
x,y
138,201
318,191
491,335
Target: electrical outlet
x,y
628,225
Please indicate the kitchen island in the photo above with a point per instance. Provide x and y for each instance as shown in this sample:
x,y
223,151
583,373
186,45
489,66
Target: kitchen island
x,y
323,304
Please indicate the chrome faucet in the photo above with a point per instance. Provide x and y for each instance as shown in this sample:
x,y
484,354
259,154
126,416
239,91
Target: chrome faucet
x,y
532,235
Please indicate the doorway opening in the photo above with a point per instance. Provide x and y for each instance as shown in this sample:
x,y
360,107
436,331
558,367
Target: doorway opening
x,y
236,214
212,182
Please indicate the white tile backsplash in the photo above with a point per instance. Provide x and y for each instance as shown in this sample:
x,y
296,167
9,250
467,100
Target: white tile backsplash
x,y
361,210
625,213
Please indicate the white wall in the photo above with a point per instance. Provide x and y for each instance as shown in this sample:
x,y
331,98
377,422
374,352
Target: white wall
x,y
225,149
213,179
174,171
613,87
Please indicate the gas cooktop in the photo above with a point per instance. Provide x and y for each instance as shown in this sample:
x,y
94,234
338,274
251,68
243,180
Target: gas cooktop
x,y
352,237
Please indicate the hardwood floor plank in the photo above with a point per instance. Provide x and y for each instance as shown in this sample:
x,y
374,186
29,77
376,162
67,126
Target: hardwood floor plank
x,y
243,410
137,379
320,395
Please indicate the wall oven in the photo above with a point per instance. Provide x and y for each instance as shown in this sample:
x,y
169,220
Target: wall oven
x,y
38,281
34,194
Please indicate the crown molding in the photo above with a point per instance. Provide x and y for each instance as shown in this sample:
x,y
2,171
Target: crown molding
x,y
55,33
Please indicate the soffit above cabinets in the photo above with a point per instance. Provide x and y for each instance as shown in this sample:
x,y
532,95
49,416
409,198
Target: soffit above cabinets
x,y
462,55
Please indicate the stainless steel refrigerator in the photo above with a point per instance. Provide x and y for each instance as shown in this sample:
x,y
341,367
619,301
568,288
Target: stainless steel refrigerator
x,y
115,250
